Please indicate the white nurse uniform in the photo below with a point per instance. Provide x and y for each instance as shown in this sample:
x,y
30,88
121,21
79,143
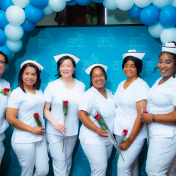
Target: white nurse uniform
x,y
97,149
126,113
31,149
161,99
3,123
54,94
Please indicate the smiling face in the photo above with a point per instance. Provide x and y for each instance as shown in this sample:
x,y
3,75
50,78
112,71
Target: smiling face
x,y
29,76
130,69
2,64
98,78
66,68
166,65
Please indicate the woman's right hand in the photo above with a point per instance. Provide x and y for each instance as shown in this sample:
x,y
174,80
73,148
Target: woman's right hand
x,y
60,127
38,131
101,132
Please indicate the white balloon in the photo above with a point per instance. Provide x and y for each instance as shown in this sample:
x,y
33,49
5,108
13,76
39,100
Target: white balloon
x,y
174,3
57,5
21,3
13,32
15,15
125,4
14,46
155,30
162,3
168,35
110,4
142,3
47,10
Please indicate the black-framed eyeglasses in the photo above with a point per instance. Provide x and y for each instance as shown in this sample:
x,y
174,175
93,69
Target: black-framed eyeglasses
x,y
2,62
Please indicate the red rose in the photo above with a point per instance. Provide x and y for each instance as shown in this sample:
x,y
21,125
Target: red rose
x,y
36,115
125,132
66,103
98,117
145,112
6,90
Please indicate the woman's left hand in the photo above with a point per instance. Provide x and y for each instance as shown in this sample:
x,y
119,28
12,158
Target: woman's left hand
x,y
146,118
125,145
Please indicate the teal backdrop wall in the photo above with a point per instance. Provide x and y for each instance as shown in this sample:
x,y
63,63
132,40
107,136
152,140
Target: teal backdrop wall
x,y
93,45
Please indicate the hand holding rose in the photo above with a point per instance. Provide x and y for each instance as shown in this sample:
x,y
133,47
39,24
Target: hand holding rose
x,y
146,118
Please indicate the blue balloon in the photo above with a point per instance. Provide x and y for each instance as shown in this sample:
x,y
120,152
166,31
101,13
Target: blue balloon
x,y
5,4
134,12
41,4
3,19
83,2
33,14
98,1
2,37
28,26
149,15
71,3
6,70
168,16
5,50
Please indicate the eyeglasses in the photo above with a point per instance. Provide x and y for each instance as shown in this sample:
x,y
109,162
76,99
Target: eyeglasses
x,y
100,76
2,63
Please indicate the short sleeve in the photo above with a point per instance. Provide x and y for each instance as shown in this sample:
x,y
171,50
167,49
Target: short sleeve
x,y
14,100
48,93
142,92
172,97
87,102
83,87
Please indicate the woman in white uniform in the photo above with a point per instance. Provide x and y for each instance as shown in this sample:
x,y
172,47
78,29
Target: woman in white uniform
x,y
3,102
130,94
28,139
94,140
161,117
66,87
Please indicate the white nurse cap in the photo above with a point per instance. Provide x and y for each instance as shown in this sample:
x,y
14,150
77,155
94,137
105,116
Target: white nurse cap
x,y
89,68
59,56
33,62
169,47
139,55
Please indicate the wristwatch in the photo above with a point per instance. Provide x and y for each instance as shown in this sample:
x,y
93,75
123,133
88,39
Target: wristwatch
x,y
153,118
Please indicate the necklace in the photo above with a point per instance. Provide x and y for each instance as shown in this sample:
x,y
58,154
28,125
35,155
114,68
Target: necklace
x,y
165,79
67,85
127,84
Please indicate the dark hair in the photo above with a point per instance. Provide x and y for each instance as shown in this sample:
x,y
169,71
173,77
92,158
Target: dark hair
x,y
172,55
61,60
137,62
5,56
91,72
20,81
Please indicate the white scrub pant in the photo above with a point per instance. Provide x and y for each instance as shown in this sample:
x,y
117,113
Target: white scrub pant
x,y
2,149
62,161
161,154
30,155
129,167
98,156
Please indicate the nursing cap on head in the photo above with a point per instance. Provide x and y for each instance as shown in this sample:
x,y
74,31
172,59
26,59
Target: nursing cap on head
x,y
169,47
59,56
89,68
133,53
33,62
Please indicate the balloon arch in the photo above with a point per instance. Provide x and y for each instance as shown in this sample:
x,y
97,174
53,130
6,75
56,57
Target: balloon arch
x,y
20,16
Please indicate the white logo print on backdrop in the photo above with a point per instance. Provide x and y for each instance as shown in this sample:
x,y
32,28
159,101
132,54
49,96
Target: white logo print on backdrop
x,y
77,41
47,42
140,41
108,41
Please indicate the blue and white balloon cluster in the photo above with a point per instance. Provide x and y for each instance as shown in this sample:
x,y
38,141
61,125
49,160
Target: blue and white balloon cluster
x,y
20,16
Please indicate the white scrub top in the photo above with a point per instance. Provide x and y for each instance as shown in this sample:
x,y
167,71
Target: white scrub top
x,y
90,100
126,111
161,99
54,94
3,106
27,104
